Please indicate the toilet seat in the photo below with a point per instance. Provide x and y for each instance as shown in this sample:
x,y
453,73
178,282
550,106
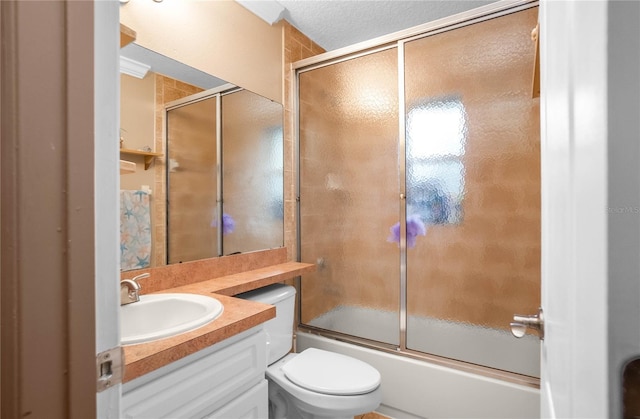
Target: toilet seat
x,y
324,405
331,373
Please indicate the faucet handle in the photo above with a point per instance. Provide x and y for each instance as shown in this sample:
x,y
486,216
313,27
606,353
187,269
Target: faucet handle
x,y
138,277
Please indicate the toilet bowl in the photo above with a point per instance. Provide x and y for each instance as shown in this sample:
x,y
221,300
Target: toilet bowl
x,y
314,384
332,394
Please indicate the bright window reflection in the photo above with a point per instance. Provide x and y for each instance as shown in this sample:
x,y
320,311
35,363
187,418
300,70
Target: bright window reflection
x,y
437,129
436,140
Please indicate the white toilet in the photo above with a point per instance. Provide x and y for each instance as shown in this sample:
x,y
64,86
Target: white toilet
x,y
314,384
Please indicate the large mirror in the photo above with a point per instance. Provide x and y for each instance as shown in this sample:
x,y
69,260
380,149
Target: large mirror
x,y
239,132
209,165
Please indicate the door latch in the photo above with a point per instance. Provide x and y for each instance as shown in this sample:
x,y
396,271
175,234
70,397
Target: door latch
x,y
109,368
522,322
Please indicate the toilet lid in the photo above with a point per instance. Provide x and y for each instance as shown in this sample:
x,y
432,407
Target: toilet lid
x,y
331,373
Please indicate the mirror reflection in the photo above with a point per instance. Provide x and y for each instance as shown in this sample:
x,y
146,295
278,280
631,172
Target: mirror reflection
x,y
207,154
248,214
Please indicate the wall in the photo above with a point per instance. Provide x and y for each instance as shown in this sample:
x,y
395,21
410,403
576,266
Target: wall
x,y
223,38
297,46
137,108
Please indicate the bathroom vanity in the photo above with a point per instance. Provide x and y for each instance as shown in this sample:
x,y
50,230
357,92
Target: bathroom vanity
x,y
222,381
217,370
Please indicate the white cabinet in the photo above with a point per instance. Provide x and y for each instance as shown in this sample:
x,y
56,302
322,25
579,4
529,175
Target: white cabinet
x,y
222,381
254,404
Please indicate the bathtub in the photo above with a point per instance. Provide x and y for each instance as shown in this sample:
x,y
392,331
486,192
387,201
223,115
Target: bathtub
x,y
419,389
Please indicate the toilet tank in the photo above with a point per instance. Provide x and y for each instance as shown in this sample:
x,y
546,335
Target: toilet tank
x,y
279,329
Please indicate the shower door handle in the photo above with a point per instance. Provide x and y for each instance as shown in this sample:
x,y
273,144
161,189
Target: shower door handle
x,y
521,323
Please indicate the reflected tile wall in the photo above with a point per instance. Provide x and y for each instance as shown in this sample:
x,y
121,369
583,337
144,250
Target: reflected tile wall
x,y
167,90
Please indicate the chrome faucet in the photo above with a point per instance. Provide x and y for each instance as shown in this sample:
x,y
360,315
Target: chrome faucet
x,y
130,289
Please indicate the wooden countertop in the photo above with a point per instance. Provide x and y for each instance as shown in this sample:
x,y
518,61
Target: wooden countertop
x,y
238,315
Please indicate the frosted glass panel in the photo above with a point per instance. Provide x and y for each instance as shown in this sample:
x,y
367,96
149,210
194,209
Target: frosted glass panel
x,y
349,196
192,189
252,173
473,180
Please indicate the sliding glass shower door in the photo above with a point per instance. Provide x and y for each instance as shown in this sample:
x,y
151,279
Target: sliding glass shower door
x,y
192,179
349,136
460,168
473,179
251,172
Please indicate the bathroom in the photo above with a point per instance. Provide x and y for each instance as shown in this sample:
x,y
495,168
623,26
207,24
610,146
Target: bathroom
x,y
103,233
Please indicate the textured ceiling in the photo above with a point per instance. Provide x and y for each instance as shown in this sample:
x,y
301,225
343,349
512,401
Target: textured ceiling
x,y
334,24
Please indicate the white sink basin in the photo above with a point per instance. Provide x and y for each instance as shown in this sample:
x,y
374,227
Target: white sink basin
x,y
158,316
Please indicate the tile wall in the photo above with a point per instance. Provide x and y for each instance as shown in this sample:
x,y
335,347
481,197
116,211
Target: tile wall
x,y
297,46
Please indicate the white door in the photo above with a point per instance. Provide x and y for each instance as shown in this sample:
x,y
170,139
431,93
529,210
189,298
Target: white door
x,y
107,183
574,200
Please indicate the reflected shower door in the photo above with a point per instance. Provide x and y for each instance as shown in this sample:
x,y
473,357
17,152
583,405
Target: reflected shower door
x,y
192,174
349,192
251,173
473,180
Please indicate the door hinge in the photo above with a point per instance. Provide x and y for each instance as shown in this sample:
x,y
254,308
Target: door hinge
x,y
109,368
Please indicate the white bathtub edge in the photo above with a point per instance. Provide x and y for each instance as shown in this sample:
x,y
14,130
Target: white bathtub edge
x,y
427,390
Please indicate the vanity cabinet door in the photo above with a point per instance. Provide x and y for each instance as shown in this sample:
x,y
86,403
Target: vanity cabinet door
x,y
254,404
204,386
